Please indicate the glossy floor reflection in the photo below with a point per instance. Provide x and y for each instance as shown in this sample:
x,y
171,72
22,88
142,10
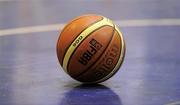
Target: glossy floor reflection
x,y
91,95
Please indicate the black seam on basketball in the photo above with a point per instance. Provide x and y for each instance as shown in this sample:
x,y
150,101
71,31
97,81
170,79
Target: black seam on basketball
x,y
117,62
77,36
82,41
73,21
115,70
98,57
60,36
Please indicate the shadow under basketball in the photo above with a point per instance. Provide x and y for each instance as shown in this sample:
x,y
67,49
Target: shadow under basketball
x,y
91,95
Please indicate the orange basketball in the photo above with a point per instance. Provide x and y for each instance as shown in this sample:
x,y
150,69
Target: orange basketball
x,y
91,48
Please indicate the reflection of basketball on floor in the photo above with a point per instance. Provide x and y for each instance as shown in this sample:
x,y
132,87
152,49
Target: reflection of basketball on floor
x,y
91,95
91,48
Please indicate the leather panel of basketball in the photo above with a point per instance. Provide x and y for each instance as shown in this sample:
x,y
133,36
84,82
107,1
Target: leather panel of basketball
x,y
105,64
73,29
89,50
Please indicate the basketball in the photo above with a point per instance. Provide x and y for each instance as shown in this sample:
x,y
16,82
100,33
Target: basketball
x,y
91,48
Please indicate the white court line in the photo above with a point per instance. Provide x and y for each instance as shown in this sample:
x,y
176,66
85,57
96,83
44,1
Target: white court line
x,y
6,0
25,30
174,103
123,23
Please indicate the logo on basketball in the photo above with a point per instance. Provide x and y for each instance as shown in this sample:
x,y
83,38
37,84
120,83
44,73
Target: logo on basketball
x,y
94,47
